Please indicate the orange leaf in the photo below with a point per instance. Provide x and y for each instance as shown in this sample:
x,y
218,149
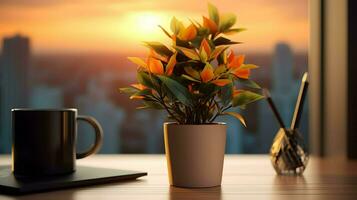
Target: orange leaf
x,y
221,82
236,92
173,37
139,86
189,33
211,25
157,56
241,73
171,64
205,46
155,66
236,62
207,73
136,97
230,56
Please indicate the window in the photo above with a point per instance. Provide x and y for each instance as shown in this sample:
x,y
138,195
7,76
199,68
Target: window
x,y
73,54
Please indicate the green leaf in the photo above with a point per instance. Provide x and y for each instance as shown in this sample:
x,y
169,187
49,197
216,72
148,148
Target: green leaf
x,y
213,13
246,97
243,107
190,78
220,69
227,21
196,23
159,48
153,105
128,90
222,58
138,61
147,80
143,92
182,43
238,116
249,83
203,56
209,89
202,31
224,41
234,30
248,66
227,94
197,41
165,31
180,92
167,93
176,26
190,71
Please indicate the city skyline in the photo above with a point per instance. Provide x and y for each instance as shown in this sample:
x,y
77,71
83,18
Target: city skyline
x,y
90,83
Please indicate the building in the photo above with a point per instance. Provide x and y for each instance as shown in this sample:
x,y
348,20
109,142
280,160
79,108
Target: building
x,y
284,86
14,83
46,97
95,103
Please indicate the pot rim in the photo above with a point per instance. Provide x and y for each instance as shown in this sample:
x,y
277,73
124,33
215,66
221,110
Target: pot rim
x,y
177,124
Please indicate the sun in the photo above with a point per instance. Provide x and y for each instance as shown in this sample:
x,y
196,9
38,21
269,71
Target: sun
x,y
143,25
148,22
134,27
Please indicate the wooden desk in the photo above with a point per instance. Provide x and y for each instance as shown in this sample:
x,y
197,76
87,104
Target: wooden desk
x,y
244,177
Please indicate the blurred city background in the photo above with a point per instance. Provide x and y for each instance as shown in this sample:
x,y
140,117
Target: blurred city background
x,y
73,54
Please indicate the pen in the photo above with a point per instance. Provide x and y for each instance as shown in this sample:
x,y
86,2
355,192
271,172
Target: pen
x,y
273,108
300,102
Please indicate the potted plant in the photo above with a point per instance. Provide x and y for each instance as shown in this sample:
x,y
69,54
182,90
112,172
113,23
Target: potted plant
x,y
195,79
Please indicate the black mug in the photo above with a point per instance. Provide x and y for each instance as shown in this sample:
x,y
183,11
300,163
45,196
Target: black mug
x,y
44,141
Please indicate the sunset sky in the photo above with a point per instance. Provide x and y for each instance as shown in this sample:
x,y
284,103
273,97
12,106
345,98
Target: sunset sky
x,y
70,26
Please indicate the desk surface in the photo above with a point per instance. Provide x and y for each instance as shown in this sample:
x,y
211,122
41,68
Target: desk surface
x,y
244,177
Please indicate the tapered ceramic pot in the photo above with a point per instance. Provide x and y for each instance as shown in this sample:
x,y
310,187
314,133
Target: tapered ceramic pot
x,y
195,154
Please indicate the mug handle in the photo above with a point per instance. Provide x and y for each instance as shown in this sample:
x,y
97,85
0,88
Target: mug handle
x,y
98,136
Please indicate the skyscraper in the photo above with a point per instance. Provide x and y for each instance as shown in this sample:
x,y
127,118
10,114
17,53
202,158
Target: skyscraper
x,y
13,83
284,88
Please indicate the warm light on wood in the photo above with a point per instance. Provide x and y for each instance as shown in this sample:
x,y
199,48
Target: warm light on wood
x,y
244,177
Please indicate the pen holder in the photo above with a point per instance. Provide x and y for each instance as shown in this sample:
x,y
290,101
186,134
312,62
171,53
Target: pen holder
x,y
288,153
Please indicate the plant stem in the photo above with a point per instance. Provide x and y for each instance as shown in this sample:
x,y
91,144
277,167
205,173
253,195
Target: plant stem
x,y
167,108
220,111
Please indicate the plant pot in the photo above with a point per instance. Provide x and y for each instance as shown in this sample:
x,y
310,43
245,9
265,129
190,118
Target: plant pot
x,y
195,154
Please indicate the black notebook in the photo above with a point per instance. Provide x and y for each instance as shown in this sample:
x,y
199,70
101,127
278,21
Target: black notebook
x,y
82,177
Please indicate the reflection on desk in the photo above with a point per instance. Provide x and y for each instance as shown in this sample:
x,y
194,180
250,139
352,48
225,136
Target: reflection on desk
x,y
244,177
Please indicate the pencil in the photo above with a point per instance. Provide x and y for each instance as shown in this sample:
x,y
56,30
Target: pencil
x,y
273,108
300,102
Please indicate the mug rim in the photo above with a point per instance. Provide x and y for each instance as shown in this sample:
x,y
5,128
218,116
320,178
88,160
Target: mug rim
x,y
43,109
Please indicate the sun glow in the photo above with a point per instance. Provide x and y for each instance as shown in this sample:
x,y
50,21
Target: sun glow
x,y
143,25
148,22
121,26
